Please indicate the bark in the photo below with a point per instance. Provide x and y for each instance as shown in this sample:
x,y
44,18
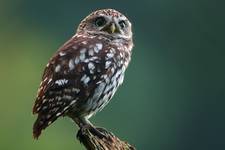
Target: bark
x,y
106,140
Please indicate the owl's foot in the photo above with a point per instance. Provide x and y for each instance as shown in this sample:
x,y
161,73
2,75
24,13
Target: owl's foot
x,y
89,129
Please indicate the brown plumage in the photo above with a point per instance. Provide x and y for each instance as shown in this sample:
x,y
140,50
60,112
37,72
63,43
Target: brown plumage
x,y
85,72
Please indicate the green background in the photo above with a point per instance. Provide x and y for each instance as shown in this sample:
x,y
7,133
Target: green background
x,y
174,90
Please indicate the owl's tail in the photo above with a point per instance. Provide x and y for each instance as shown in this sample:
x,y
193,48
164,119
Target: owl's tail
x,y
39,125
42,122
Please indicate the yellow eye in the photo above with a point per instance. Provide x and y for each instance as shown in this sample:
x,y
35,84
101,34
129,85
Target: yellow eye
x,y
100,21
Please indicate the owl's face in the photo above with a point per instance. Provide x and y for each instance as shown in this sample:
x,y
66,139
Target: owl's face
x,y
107,22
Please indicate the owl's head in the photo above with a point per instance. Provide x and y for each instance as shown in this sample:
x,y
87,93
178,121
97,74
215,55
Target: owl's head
x,y
106,22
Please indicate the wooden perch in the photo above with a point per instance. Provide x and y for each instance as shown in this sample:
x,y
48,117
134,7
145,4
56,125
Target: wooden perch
x,y
106,141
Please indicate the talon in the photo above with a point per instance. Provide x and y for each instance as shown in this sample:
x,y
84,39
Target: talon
x,y
97,133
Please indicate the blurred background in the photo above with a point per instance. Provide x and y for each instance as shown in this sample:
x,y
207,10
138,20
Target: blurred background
x,y
174,90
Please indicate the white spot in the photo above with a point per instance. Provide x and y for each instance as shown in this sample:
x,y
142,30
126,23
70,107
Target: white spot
x,y
58,114
74,47
45,79
86,60
112,50
123,69
99,46
44,101
71,64
99,37
62,54
57,68
82,56
91,66
76,61
44,108
38,108
68,97
99,90
91,46
96,49
76,90
109,55
91,52
73,102
67,90
112,70
107,64
48,116
66,108
121,78
84,42
58,98
83,68
49,122
107,88
50,80
47,65
93,58
121,55
83,50
61,81
85,79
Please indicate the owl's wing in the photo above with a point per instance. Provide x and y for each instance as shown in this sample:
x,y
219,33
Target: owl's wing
x,y
70,76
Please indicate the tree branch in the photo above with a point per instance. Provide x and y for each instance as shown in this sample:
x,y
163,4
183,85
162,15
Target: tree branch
x,y
106,141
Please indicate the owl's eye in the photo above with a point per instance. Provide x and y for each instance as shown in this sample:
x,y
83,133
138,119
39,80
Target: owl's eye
x,y
100,21
122,24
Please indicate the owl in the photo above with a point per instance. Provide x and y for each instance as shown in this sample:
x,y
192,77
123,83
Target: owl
x,y
84,74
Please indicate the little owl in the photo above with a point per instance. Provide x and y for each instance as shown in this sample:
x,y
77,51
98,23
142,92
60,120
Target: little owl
x,y
84,74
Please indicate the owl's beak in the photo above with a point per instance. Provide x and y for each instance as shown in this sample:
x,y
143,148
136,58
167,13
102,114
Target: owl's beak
x,y
111,28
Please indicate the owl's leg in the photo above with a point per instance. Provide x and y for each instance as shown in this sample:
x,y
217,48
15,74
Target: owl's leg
x,y
82,122
85,125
